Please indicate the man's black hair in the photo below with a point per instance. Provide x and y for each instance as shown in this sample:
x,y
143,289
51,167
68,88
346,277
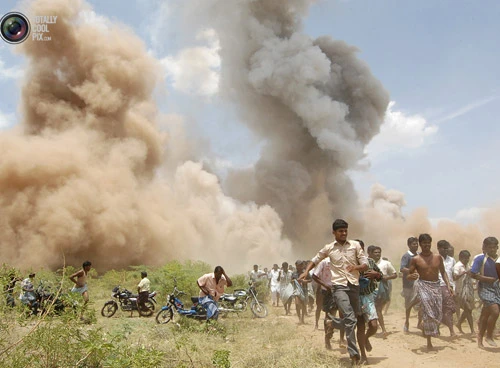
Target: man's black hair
x,y
87,263
411,240
463,254
490,240
144,274
443,243
424,237
339,224
218,269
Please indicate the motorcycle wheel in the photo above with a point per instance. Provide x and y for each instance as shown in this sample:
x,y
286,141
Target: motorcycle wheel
x,y
109,309
164,316
259,310
149,311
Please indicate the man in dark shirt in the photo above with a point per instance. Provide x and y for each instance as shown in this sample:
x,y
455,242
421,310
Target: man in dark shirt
x,y
368,285
408,292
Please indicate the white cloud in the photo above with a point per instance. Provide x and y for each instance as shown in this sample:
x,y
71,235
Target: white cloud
x,y
9,72
7,120
195,70
400,131
465,109
90,17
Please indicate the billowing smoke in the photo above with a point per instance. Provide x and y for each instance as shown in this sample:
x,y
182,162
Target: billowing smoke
x,y
384,225
313,102
94,171
92,176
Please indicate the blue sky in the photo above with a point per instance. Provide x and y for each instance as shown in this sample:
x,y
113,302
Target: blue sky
x,y
437,58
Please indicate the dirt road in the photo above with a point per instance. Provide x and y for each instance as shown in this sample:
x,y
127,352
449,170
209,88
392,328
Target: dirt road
x,y
408,350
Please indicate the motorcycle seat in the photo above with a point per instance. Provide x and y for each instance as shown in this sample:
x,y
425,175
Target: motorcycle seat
x,y
195,299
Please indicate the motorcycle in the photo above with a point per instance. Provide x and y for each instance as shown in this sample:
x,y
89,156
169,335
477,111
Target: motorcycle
x,y
238,302
128,302
43,300
47,300
166,313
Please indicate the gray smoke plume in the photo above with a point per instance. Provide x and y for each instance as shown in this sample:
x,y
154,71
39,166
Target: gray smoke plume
x,y
313,102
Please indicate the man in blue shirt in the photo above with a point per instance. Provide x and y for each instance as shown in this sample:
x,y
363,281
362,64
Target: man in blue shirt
x,y
408,292
485,271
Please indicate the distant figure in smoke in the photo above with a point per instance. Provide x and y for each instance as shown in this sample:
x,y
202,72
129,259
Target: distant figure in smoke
x,y
257,275
274,285
211,288
425,269
9,289
80,280
347,260
28,296
286,288
143,290
486,269
301,291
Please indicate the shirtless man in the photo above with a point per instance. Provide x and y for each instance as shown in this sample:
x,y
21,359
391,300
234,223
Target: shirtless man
x,y
80,280
425,269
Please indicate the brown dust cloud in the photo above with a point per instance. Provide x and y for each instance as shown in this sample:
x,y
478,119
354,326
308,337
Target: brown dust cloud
x,y
95,171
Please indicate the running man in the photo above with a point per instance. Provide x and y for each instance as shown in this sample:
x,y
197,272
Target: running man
x,y
425,269
485,269
80,280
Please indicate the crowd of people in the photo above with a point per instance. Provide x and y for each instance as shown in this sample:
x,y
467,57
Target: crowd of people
x,y
346,279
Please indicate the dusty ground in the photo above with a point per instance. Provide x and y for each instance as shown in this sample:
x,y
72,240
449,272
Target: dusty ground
x,y
408,350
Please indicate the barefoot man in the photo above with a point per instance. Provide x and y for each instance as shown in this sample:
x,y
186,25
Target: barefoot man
x,y
347,260
484,269
425,269
80,280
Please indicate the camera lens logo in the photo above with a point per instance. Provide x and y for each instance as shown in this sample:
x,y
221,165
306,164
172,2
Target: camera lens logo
x,y
14,27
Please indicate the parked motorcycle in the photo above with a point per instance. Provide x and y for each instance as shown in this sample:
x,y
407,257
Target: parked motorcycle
x,y
238,302
166,313
48,300
128,302
44,300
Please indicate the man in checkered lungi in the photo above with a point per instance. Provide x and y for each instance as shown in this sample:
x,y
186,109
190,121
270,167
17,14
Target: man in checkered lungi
x,y
486,270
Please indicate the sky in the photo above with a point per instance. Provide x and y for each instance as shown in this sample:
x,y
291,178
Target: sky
x,y
437,59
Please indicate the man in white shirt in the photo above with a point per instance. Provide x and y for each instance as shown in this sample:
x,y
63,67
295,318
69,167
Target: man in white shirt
x,y
143,290
257,274
464,290
443,247
347,260
274,285
286,288
383,294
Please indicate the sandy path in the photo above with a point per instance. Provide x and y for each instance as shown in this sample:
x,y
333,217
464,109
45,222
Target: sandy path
x,y
408,350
